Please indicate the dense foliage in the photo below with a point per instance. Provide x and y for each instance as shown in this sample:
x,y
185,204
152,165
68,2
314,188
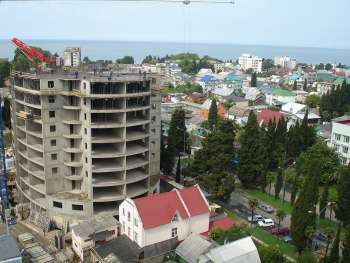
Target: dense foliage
x,y
234,233
125,60
336,102
213,115
271,254
187,88
5,68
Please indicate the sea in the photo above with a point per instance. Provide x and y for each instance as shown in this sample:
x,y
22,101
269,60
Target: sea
x,y
111,50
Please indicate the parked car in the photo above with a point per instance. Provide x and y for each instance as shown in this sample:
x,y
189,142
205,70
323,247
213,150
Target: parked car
x,y
280,231
266,208
266,223
256,218
321,237
11,221
286,238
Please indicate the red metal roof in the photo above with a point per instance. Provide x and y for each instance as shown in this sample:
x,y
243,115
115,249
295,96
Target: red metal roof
x,y
224,223
156,210
194,201
266,115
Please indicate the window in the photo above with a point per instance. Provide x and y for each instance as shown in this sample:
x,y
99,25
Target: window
x,y
346,139
175,218
54,156
52,128
337,136
153,155
174,232
84,85
129,216
51,84
345,149
53,142
85,130
136,222
129,231
86,174
51,99
77,207
85,145
54,170
57,204
154,106
84,101
153,118
135,236
52,114
84,116
86,160
153,142
153,131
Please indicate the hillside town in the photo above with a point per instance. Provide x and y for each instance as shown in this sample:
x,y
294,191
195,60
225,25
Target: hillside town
x,y
183,158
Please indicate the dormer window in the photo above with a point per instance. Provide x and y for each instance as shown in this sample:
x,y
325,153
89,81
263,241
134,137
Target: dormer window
x,y
175,218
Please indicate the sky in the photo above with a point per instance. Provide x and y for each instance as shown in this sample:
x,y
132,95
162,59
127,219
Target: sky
x,y
305,23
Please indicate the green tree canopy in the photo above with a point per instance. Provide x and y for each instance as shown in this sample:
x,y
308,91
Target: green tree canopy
x,y
125,60
253,81
343,205
271,254
313,101
5,68
213,115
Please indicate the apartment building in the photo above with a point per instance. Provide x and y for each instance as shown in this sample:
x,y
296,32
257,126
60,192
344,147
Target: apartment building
x,y
85,142
248,61
72,57
285,62
340,138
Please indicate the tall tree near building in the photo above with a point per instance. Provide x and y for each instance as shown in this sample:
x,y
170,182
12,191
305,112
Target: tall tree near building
x,y
125,60
213,115
346,249
304,213
178,171
279,183
271,254
295,86
324,201
253,203
305,88
4,71
251,155
281,215
343,204
334,255
211,166
253,81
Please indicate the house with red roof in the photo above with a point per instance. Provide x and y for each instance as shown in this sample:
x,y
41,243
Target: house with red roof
x,y
156,218
265,116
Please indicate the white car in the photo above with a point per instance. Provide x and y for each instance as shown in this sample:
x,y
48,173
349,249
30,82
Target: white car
x,y
256,218
266,222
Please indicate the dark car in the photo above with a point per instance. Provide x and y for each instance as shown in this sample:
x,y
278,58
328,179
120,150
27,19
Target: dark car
x,y
280,231
11,221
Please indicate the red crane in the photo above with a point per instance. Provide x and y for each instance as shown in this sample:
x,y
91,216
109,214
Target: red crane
x,y
30,52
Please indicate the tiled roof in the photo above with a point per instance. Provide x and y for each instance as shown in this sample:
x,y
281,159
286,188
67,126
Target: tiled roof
x,y
156,210
265,116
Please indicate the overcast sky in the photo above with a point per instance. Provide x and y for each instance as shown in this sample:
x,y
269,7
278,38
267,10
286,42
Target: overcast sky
x,y
310,23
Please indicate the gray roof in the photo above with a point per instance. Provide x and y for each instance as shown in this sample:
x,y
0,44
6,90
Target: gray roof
x,y
192,247
8,248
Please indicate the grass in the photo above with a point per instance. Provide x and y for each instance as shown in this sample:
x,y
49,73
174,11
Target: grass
x,y
269,199
271,240
332,193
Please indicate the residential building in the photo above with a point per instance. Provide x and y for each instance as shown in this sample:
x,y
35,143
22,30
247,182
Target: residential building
x,y
276,96
86,235
72,57
296,112
83,142
265,116
340,138
9,252
206,106
285,62
157,218
248,61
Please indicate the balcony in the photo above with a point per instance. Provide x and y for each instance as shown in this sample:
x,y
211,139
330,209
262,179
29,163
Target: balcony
x,y
132,135
73,164
106,166
108,194
72,136
135,148
106,180
135,162
107,152
136,189
73,122
135,121
136,175
110,208
39,188
74,177
72,150
106,139
107,124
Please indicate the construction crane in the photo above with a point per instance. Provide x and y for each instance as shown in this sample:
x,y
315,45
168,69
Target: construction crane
x,y
30,52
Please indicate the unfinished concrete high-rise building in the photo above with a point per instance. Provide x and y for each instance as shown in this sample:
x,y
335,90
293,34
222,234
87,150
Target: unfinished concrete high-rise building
x,y
85,141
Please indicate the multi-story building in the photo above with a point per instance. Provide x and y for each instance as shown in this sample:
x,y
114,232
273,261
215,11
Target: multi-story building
x,y
83,142
247,61
340,138
72,57
285,62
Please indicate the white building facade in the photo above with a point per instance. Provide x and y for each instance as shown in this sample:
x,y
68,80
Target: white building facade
x,y
248,61
285,62
340,138
157,218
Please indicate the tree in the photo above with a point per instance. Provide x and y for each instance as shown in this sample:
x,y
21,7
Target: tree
x,y
267,64
323,202
305,87
20,61
281,215
306,257
4,71
86,60
304,213
295,85
313,101
212,164
234,233
125,60
279,183
334,256
213,115
253,81
271,254
253,203
178,171
252,159
328,66
346,249
343,204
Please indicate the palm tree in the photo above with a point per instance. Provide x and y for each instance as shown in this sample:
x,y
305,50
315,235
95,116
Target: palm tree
x,y
281,215
253,203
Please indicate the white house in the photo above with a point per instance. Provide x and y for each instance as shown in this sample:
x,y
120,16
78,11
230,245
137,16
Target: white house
x,y
296,112
156,218
247,61
340,138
